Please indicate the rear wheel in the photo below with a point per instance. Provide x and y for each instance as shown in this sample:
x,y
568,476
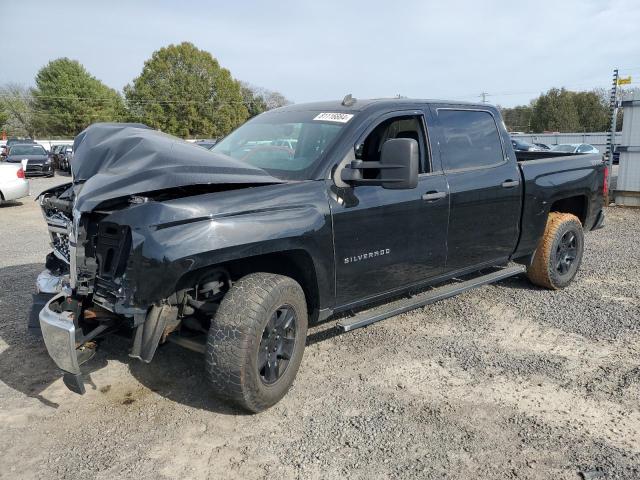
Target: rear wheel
x,y
256,340
559,253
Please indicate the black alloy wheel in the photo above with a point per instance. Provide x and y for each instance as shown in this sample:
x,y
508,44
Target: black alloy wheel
x,y
566,252
277,344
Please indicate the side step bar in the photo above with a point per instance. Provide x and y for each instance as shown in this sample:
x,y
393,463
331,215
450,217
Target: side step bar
x,y
373,315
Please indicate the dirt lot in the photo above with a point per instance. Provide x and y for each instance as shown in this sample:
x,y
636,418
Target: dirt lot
x,y
509,381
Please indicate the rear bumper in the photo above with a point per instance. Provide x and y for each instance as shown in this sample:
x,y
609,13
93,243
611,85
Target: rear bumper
x,y
15,189
59,334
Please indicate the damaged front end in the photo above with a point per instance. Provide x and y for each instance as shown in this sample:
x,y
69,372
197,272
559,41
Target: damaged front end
x,y
112,268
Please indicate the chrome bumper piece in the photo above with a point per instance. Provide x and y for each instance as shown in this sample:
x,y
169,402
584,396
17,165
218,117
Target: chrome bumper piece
x,y
59,334
48,282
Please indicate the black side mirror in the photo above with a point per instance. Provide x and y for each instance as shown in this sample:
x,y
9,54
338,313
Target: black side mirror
x,y
397,168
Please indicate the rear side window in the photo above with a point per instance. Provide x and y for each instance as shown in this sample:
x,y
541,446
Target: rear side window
x,y
470,139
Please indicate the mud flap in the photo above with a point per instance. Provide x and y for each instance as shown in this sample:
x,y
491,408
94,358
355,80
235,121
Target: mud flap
x,y
149,332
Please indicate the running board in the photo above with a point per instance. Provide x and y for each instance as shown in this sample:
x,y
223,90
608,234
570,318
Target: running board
x,y
397,307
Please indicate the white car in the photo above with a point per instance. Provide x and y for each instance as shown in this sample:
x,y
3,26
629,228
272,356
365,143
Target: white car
x,y
13,184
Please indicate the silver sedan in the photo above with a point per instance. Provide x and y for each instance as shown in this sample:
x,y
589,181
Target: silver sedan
x,y
575,148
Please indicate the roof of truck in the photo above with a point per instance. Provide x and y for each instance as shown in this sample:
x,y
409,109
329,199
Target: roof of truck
x,y
362,104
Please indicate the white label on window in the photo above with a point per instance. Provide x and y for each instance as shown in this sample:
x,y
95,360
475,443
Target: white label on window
x,y
334,117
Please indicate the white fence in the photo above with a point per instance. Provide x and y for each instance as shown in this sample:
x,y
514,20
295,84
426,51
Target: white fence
x,y
597,139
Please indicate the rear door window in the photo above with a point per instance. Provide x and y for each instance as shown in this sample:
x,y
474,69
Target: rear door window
x,y
470,139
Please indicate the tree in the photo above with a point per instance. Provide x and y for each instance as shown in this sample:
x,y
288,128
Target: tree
x,y
17,103
555,111
273,99
4,116
258,99
255,103
593,113
67,99
517,118
183,91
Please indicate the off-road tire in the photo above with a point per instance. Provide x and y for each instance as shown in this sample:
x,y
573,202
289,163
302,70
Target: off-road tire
x,y
236,333
543,270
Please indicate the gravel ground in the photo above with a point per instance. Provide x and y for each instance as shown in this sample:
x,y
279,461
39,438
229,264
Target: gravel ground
x,y
508,381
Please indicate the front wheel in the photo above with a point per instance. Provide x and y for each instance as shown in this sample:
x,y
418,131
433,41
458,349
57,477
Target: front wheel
x,y
256,340
559,253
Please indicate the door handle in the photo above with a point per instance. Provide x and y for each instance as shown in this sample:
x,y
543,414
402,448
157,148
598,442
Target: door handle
x,y
431,196
510,183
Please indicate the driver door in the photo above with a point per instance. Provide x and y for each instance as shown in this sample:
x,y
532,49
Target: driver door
x,y
386,240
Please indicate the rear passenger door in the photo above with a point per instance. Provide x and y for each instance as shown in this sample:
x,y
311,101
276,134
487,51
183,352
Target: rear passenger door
x,y
484,186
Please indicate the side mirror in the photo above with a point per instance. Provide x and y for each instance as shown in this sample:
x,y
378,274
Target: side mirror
x,y
397,168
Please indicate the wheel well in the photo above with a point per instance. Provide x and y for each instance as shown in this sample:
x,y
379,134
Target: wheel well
x,y
296,264
575,205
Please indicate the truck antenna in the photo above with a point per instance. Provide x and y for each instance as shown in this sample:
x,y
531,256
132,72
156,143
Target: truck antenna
x,y
348,100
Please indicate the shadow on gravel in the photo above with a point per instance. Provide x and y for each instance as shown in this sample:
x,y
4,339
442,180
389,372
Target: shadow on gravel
x,y
519,282
25,366
10,203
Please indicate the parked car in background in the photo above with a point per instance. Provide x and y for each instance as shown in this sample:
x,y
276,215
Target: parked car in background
x,y
13,184
575,148
38,162
542,146
3,151
522,146
208,144
65,154
54,155
17,140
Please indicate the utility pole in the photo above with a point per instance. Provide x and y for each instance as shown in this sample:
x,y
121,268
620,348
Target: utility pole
x,y
484,97
613,111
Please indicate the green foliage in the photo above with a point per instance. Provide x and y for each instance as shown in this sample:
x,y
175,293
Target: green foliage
x,y
517,119
4,115
17,103
254,102
555,111
258,99
67,99
560,110
183,91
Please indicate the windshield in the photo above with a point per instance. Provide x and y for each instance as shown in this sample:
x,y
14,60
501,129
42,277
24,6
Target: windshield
x,y
564,148
286,144
27,150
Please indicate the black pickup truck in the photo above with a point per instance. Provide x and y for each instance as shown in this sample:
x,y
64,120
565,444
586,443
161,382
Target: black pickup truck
x,y
356,210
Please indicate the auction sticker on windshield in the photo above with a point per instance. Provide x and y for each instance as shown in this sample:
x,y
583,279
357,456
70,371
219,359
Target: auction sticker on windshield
x,y
334,117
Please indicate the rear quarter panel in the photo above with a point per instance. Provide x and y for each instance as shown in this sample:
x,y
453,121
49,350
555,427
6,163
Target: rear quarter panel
x,y
549,180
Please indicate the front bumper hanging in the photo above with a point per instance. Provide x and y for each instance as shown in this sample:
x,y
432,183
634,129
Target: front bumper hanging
x,y
65,341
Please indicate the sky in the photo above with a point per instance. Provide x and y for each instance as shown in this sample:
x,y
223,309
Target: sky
x,y
321,50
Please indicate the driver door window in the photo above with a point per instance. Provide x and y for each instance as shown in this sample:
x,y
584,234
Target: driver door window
x,y
397,127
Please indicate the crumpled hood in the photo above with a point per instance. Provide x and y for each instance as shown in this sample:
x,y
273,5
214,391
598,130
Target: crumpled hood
x,y
113,160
